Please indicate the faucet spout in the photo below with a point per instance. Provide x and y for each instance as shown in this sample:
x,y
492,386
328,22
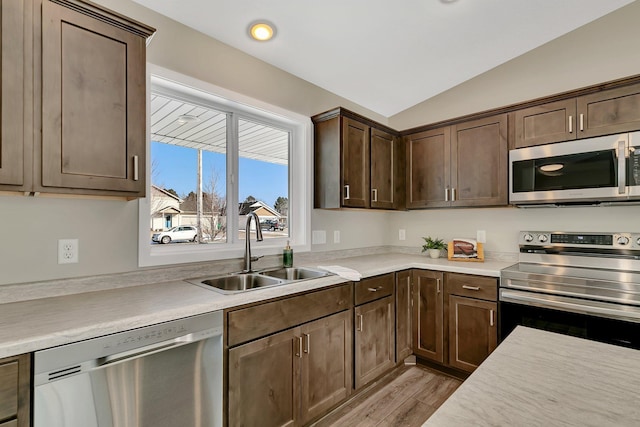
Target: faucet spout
x,y
247,235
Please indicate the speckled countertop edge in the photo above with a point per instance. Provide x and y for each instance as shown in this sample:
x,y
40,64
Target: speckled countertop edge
x,y
36,324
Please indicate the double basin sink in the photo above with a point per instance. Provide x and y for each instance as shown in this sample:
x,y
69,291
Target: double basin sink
x,y
240,282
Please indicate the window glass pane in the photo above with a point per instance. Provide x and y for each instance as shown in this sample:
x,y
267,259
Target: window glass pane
x,y
188,172
263,178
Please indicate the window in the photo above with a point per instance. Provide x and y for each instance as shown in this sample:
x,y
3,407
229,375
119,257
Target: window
x,y
212,160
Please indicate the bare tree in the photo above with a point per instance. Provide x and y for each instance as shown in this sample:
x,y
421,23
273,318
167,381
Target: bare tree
x,y
215,206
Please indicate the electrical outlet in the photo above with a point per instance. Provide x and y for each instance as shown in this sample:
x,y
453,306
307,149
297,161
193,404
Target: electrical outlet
x,y
336,236
67,251
402,234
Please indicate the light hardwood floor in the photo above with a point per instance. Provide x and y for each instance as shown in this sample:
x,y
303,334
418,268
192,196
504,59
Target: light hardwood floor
x,y
405,397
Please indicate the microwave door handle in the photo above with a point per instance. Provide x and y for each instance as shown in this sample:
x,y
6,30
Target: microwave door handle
x,y
622,166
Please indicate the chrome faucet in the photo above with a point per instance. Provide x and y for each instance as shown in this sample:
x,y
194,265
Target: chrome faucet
x,y
247,247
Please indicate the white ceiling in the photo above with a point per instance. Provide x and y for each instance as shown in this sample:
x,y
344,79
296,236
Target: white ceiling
x,y
387,55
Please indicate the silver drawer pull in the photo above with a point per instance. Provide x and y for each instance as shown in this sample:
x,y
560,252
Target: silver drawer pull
x,y
359,322
570,124
471,288
491,318
307,340
135,168
346,192
374,289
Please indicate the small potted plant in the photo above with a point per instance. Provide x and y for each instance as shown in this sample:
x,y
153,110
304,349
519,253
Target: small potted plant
x,y
433,246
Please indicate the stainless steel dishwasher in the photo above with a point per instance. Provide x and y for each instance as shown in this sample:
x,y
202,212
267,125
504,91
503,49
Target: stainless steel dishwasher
x,y
165,375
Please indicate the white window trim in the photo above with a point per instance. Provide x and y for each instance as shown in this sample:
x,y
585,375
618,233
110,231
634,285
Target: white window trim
x,y
299,179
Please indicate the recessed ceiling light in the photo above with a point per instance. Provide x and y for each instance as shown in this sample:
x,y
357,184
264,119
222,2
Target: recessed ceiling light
x,y
262,31
187,118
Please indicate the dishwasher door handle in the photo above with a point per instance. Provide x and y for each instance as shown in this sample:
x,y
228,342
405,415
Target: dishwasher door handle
x,y
150,349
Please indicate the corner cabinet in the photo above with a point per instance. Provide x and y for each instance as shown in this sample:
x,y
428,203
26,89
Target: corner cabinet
x,y
87,130
357,163
404,315
601,113
455,318
15,391
458,166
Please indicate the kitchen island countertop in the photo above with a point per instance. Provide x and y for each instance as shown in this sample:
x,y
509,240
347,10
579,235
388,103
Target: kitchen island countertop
x,y
539,378
40,323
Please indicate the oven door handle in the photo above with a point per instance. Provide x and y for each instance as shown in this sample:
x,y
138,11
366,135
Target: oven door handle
x,y
594,308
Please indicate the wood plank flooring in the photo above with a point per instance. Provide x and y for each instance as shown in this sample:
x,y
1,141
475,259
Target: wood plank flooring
x,y
405,397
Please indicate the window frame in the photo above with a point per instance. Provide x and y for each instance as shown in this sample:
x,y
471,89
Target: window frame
x,y
236,106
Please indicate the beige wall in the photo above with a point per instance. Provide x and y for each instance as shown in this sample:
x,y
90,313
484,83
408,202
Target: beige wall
x,y
606,49
107,230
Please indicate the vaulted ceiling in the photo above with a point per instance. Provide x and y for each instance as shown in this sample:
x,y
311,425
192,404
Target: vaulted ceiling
x,y
387,55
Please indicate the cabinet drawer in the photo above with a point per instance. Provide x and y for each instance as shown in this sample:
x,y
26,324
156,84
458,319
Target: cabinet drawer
x,y
8,390
472,286
373,288
254,322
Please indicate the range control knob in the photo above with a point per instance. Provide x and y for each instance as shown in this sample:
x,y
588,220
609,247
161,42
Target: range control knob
x,y
543,238
529,238
622,240
638,241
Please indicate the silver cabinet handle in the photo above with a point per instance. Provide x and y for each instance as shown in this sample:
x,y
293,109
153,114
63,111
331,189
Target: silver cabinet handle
x,y
582,122
359,322
346,192
437,285
446,194
622,166
471,288
374,194
299,347
374,289
491,318
570,124
135,168
307,340
453,194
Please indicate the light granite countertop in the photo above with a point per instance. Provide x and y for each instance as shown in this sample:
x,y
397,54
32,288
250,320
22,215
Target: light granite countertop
x,y
40,323
538,378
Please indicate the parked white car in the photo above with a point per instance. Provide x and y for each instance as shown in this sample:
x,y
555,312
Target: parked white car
x,y
181,233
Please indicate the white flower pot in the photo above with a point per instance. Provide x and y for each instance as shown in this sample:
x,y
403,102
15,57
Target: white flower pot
x,y
434,253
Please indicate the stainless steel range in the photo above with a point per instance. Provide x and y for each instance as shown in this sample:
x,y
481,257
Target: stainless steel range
x,y
581,284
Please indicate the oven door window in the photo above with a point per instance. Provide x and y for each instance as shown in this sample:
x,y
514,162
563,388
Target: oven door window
x,y
596,169
601,329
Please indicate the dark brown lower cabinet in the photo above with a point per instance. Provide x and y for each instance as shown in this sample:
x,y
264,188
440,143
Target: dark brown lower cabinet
x,y
15,391
289,378
374,340
428,314
472,331
404,335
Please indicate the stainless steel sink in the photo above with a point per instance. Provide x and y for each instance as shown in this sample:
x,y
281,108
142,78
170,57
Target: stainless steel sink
x,y
233,283
295,273
241,282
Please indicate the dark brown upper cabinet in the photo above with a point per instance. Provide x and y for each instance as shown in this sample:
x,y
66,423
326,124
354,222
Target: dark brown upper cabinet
x,y
85,127
12,51
460,165
357,163
595,114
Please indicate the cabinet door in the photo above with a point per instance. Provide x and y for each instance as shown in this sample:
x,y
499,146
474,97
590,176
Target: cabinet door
x,y
472,331
12,142
355,164
264,380
428,315
404,337
93,104
479,155
326,364
543,124
374,340
384,166
611,111
428,168
15,390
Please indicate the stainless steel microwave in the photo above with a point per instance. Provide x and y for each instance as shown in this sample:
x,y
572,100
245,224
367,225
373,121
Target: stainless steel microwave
x,y
586,171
